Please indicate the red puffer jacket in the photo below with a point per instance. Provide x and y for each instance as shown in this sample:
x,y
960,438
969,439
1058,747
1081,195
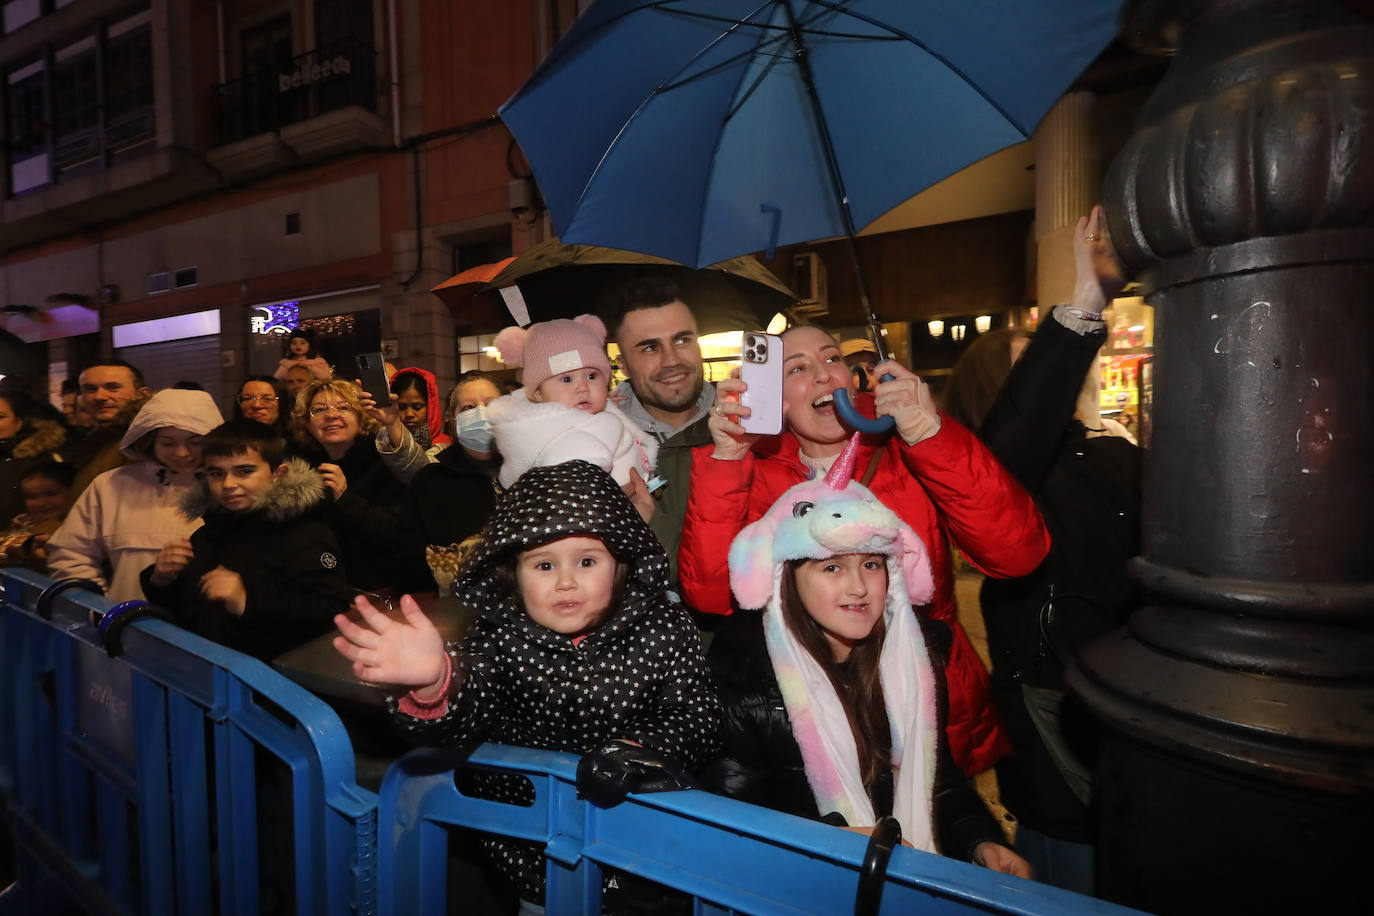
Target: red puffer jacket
x,y
948,486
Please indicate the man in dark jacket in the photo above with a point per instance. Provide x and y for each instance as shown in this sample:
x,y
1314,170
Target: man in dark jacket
x,y
665,393
263,574
112,391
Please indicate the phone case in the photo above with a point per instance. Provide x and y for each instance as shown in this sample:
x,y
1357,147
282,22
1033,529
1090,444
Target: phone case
x,y
760,367
372,371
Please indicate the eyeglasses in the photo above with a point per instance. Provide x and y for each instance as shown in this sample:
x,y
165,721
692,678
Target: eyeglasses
x,y
319,410
258,398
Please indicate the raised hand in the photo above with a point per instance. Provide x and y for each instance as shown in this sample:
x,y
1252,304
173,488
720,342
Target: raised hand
x,y
388,416
906,398
406,653
1098,274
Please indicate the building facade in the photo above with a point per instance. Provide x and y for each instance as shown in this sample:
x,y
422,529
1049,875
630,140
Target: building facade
x,y
187,179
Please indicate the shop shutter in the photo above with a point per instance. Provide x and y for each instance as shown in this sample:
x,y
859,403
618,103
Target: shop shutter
x,y
193,358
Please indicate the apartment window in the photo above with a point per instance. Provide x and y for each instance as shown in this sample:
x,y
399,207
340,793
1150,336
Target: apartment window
x,y
76,117
128,75
26,127
340,20
19,13
76,90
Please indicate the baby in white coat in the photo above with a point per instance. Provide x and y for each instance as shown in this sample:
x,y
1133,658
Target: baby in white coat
x,y
563,412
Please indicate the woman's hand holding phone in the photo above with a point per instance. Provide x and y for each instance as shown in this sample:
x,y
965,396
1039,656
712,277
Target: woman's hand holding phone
x,y
731,441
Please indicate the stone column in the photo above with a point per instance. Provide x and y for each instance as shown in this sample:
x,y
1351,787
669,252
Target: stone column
x,y
1237,763
1066,186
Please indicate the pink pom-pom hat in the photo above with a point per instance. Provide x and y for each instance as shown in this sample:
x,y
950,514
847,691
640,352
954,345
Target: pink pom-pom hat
x,y
549,348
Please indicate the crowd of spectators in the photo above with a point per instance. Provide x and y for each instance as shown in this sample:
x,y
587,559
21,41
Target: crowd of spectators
x,y
594,528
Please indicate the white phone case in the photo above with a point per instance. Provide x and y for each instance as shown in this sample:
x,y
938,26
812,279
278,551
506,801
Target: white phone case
x,y
760,367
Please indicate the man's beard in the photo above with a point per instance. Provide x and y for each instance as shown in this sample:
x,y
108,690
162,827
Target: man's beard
x,y
650,398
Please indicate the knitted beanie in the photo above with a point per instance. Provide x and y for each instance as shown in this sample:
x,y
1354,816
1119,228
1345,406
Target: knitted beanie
x,y
551,348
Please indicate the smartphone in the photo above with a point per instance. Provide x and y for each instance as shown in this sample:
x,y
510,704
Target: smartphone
x,y
760,367
372,373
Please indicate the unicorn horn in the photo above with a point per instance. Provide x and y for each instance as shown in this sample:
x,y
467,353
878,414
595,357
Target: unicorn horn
x,y
843,468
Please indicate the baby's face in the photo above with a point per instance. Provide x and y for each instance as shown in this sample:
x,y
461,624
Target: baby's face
x,y
581,389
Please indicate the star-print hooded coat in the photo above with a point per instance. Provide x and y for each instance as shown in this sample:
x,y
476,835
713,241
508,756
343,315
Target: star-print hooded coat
x,y
640,675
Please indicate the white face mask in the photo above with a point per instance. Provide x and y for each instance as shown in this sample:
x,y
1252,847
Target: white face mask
x,y
474,429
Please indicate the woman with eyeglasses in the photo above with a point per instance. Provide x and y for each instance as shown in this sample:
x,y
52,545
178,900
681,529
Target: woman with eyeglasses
x,y
263,398
335,437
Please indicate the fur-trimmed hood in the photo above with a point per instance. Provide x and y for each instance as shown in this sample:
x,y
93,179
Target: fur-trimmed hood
x,y
291,495
39,437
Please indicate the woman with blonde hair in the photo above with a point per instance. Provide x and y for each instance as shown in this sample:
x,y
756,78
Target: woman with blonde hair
x,y
335,436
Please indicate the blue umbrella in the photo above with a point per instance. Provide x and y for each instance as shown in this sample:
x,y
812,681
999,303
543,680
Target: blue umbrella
x,y
698,130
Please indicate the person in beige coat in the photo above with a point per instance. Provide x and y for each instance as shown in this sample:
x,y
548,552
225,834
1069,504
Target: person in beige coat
x,y
120,522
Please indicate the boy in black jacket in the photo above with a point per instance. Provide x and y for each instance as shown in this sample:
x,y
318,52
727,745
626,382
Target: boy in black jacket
x,y
263,574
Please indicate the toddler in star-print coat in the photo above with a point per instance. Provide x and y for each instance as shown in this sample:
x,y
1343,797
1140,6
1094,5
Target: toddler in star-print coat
x,y
577,643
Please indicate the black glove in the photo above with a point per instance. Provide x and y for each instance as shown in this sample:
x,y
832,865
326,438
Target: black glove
x,y
604,777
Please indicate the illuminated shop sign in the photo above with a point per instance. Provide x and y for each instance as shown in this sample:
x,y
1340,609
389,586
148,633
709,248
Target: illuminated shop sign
x,y
276,319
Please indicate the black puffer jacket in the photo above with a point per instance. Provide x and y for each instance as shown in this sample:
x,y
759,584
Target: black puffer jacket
x,y
639,676
285,554
762,764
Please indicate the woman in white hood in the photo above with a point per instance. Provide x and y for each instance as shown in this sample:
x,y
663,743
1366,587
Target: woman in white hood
x,y
120,522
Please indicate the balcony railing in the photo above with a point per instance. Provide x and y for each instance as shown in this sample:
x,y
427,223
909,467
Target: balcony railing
x,y
319,81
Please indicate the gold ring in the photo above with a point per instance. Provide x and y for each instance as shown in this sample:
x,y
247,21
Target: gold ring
x,y
1092,238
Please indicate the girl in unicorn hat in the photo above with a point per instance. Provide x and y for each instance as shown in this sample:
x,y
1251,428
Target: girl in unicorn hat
x,y
832,701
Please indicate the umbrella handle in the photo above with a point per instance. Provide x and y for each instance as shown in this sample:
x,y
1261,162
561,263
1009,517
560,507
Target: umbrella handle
x,y
857,421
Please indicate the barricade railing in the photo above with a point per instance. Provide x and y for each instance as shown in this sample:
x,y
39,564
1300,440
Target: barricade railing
x,y
729,856
180,777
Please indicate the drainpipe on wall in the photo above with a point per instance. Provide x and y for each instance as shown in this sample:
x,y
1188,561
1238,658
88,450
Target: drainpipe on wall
x,y
219,24
395,76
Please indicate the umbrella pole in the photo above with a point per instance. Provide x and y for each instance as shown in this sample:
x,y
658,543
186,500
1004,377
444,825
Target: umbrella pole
x,y
799,53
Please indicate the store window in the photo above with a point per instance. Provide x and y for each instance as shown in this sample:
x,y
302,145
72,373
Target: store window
x,y
345,324
1125,362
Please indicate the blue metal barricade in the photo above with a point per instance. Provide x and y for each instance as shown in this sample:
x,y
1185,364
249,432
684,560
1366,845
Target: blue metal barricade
x,y
729,856
180,777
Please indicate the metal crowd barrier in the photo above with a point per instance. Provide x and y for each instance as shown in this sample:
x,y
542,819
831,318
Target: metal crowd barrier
x,y
728,856
182,777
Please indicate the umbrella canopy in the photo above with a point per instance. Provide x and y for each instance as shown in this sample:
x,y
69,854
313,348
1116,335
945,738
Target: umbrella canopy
x,y
698,130
560,281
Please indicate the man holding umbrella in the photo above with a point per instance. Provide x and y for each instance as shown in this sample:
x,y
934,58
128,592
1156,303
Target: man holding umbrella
x,y
665,393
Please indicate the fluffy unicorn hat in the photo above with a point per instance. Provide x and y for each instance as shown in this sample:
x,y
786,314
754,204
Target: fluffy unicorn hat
x,y
822,518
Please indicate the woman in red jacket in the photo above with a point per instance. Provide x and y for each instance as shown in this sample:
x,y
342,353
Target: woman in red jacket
x,y
932,472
